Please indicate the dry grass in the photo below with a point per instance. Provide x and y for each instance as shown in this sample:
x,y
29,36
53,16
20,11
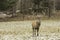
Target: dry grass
x,y
23,29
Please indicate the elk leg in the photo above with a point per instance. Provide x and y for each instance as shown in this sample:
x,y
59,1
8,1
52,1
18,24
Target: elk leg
x,y
37,31
34,32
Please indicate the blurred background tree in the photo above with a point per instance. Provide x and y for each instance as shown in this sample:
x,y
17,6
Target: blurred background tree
x,y
6,4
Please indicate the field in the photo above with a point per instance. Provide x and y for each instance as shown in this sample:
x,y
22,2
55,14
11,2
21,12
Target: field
x,y
22,30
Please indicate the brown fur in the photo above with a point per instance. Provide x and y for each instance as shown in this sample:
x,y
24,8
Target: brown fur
x,y
35,27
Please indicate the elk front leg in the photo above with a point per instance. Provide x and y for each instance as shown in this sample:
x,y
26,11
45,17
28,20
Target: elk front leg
x,y
34,32
37,31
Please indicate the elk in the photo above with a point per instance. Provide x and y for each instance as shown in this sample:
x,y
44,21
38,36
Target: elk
x,y
35,27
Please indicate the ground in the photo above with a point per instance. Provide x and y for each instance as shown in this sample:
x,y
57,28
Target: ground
x,y
22,30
